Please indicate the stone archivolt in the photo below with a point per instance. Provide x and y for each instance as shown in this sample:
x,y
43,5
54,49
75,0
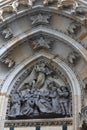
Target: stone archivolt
x,y
44,85
38,81
73,5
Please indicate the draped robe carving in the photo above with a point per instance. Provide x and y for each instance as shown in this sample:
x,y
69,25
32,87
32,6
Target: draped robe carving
x,y
41,96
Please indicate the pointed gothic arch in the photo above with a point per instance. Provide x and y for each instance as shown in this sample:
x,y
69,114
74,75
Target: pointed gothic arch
x,y
63,27
13,78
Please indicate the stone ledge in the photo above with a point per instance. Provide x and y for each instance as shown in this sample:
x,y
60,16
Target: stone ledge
x,y
42,122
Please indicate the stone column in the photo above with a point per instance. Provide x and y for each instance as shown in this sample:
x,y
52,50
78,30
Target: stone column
x,y
3,107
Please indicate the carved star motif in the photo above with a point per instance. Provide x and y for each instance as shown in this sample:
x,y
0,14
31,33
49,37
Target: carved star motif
x,y
40,18
41,43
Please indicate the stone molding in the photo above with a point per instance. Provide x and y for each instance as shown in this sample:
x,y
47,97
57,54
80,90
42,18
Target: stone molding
x,y
34,122
68,72
13,8
47,31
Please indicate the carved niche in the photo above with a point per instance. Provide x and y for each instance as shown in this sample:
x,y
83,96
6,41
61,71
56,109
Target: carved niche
x,y
41,96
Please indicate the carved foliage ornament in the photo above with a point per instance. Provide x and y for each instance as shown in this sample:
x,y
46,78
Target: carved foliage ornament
x,y
74,28
6,33
40,97
13,7
15,4
62,3
40,19
41,42
73,58
9,62
73,5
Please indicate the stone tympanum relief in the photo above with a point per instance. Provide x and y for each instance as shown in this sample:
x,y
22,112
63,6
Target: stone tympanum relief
x,y
41,97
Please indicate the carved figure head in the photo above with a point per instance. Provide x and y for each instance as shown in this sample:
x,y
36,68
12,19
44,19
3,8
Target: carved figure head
x,y
40,68
51,86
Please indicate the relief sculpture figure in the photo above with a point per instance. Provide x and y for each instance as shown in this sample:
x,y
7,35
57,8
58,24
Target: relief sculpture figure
x,y
55,99
41,96
64,100
15,105
28,103
44,103
40,71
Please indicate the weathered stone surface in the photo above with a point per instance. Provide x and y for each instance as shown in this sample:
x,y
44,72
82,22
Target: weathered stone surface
x,y
41,97
54,90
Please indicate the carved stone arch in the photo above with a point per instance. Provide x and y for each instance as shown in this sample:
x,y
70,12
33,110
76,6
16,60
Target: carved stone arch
x,y
17,67
47,31
12,79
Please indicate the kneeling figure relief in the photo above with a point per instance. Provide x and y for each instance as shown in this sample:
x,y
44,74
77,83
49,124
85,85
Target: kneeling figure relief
x,y
41,97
